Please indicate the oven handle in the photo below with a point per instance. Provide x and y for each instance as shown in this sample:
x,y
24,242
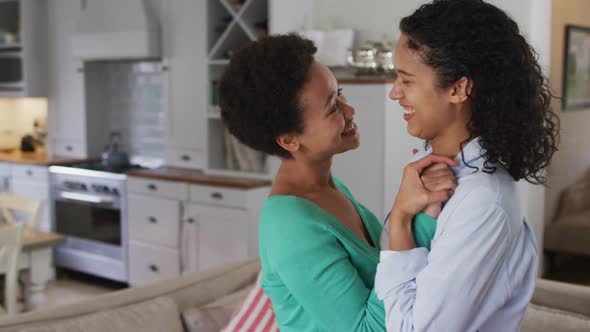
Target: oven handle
x,y
86,198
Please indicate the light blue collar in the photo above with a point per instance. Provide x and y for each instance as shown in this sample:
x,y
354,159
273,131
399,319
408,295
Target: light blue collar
x,y
470,162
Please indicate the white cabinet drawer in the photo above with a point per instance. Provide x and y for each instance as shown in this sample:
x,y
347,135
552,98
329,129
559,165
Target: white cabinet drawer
x,y
5,169
154,221
193,159
218,196
66,148
149,264
33,173
158,188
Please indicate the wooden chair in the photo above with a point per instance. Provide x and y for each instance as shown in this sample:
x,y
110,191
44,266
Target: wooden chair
x,y
11,205
11,239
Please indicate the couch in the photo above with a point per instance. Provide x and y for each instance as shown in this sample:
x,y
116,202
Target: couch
x,y
555,306
569,230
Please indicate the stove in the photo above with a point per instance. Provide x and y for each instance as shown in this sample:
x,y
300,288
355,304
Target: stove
x,y
99,166
88,204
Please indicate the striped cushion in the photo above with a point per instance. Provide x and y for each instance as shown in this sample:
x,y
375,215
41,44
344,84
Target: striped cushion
x,y
254,314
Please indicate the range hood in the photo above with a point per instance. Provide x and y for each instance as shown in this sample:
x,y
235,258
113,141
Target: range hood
x,y
116,29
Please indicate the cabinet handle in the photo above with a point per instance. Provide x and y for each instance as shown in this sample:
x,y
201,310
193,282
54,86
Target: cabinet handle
x,y
153,220
154,268
29,172
185,157
152,186
190,220
217,195
69,148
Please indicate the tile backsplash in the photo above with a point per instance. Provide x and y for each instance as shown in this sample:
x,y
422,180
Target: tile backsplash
x,y
129,95
18,115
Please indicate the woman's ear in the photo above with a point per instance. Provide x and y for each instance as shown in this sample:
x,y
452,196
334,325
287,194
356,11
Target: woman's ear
x,y
289,142
461,90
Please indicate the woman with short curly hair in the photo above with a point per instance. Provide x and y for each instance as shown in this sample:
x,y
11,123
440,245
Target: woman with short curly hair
x,y
470,85
319,247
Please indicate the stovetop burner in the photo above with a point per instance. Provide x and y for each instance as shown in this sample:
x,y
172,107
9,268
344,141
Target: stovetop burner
x,y
97,165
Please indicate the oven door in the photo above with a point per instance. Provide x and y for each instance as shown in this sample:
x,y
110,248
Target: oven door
x,y
94,227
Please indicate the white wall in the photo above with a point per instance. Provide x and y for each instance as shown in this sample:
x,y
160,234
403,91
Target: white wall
x,y
18,115
573,158
373,19
376,19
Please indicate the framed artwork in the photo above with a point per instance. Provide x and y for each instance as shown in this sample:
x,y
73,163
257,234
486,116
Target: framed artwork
x,y
576,68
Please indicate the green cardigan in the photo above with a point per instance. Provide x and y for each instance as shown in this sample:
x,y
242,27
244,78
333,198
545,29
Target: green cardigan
x,y
317,273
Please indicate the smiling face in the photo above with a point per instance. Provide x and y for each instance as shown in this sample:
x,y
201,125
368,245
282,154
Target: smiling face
x,y
428,109
328,126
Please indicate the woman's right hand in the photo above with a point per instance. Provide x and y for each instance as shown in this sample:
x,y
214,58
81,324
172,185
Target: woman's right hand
x,y
413,196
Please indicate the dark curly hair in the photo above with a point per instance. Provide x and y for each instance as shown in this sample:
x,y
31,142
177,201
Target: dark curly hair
x,y
510,97
259,91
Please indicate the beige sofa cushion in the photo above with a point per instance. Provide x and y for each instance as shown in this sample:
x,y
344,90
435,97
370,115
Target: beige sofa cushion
x,y
575,198
189,290
213,316
159,314
569,234
544,319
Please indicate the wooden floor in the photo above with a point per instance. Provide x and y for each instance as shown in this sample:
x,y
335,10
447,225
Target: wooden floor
x,y
71,287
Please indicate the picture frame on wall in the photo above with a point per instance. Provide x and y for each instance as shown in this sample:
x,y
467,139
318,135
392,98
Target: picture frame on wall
x,y
576,68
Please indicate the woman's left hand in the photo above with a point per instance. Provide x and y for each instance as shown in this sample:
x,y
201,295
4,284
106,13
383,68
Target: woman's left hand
x,y
413,196
435,178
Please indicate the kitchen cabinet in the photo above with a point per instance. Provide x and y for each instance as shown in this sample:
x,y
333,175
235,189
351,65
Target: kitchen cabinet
x,y
184,57
67,116
154,225
220,225
176,227
373,171
221,234
154,220
5,177
32,182
23,57
149,264
73,132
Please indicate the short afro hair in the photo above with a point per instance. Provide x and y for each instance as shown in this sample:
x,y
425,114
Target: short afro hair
x,y
259,91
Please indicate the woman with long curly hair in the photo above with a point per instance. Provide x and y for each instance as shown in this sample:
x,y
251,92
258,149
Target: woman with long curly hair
x,y
470,85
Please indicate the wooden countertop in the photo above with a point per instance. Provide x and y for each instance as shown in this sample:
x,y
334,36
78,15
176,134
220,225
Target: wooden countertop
x,y
38,158
345,76
365,80
197,177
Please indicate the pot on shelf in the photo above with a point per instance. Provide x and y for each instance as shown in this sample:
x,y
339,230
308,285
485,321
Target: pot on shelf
x,y
374,58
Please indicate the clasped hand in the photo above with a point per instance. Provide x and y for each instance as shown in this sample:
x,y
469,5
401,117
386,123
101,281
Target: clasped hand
x,y
426,183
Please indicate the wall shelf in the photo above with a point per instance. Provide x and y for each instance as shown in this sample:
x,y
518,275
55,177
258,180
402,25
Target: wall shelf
x,y
10,47
229,30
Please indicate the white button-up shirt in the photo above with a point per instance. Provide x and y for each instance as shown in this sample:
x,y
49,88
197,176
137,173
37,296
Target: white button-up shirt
x,y
481,270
